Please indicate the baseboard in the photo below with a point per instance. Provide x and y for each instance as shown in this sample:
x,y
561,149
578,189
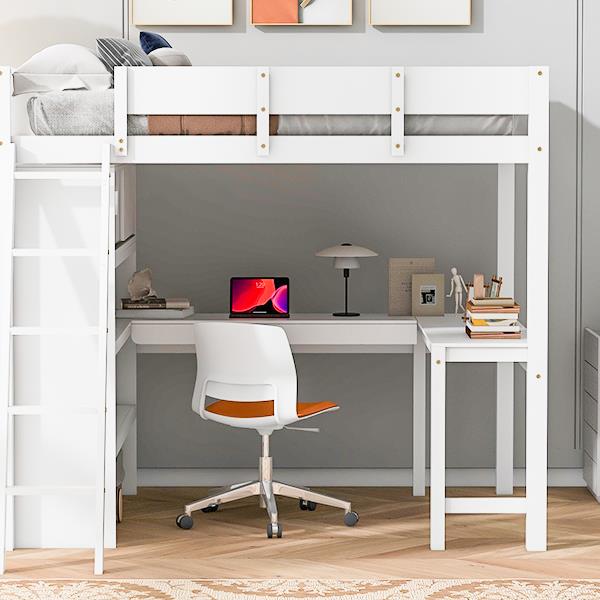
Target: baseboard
x,y
571,477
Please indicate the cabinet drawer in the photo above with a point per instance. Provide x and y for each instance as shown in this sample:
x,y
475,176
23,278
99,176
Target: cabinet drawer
x,y
590,441
590,380
590,411
590,474
590,347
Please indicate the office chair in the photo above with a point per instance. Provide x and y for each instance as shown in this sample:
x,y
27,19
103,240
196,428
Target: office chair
x,y
249,371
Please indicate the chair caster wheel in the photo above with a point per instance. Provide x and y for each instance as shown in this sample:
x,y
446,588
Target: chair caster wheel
x,y
351,518
210,508
307,505
274,530
184,521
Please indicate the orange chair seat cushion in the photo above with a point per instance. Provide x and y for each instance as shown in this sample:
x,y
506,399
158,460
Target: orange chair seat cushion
x,y
264,408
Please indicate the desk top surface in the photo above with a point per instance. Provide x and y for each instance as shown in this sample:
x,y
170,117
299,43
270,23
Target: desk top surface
x,y
304,318
449,331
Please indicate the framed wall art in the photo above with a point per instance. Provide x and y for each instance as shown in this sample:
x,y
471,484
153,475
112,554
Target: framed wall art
x,y
301,12
420,12
182,12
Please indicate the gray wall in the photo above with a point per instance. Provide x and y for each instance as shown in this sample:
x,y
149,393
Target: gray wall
x,y
199,225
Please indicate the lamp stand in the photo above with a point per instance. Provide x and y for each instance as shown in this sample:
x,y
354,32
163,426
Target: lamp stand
x,y
346,313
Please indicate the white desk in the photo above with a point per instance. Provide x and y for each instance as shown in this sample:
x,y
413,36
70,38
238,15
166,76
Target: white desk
x,y
307,333
445,339
318,334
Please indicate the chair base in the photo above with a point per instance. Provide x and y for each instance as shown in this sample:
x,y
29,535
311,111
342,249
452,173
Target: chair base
x,y
266,490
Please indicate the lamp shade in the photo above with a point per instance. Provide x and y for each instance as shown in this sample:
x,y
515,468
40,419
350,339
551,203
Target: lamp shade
x,y
346,255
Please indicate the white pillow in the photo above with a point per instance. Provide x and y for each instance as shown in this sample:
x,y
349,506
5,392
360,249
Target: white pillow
x,y
61,67
169,57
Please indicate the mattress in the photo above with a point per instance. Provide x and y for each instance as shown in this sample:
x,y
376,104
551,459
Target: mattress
x,y
91,113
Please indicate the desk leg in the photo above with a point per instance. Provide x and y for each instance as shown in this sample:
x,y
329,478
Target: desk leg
x,y
419,417
504,428
438,449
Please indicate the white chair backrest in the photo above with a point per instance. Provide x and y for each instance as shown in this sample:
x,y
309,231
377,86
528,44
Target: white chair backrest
x,y
245,362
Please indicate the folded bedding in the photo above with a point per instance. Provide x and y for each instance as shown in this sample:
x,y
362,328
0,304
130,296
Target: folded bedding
x,y
91,113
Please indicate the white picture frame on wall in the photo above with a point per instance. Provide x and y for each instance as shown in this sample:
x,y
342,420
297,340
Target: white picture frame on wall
x,y
182,12
419,12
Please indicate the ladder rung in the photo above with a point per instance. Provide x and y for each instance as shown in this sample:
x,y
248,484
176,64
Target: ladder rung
x,y
55,331
50,490
54,252
69,175
52,410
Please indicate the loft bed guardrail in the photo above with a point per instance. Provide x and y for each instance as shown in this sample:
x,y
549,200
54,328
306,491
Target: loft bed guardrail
x,y
397,93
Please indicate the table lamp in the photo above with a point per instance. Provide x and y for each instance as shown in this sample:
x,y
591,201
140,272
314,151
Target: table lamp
x,y
345,257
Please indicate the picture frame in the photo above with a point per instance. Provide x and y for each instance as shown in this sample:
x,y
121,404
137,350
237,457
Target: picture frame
x,y
182,12
400,272
428,295
420,12
263,13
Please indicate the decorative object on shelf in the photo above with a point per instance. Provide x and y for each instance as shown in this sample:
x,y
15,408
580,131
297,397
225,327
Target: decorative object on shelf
x,y
420,12
182,12
345,257
495,287
140,285
493,319
478,286
301,12
428,295
457,285
143,302
400,272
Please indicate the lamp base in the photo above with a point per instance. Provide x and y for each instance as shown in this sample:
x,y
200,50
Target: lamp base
x,y
346,314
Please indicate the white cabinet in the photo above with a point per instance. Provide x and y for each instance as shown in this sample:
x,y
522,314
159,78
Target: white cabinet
x,y
589,402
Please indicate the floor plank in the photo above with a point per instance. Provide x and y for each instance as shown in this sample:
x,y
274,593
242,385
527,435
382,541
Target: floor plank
x,y
391,540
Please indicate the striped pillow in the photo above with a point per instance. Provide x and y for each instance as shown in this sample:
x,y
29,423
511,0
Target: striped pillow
x,y
115,52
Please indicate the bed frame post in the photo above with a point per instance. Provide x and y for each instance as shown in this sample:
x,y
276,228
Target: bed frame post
x,y
5,105
262,111
120,111
537,311
397,111
505,371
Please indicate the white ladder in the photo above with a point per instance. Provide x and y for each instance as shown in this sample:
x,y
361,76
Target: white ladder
x,y
8,331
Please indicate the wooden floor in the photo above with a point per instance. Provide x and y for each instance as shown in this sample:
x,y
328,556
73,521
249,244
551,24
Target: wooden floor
x,y
391,540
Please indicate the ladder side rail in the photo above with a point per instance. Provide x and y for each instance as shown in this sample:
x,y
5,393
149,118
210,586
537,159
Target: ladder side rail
x,y
6,90
103,243
7,208
111,366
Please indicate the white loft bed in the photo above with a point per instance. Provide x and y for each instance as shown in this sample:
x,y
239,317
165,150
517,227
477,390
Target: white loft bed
x,y
397,91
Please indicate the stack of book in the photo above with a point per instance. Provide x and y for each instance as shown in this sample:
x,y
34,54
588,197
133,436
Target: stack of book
x,y
493,319
155,308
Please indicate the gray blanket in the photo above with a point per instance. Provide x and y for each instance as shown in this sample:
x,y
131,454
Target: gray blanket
x,y
91,113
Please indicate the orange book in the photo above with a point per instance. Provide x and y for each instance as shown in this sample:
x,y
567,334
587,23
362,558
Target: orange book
x,y
274,11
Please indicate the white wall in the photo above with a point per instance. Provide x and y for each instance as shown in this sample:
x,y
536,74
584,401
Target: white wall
x,y
30,25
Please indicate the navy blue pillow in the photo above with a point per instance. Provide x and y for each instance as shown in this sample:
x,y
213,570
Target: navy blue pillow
x,y
151,41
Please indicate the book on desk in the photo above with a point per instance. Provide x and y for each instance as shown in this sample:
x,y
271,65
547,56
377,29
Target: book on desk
x,y
493,319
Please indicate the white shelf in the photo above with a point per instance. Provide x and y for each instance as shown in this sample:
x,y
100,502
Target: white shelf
x,y
122,333
124,250
74,174
49,490
55,331
59,252
125,419
33,410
